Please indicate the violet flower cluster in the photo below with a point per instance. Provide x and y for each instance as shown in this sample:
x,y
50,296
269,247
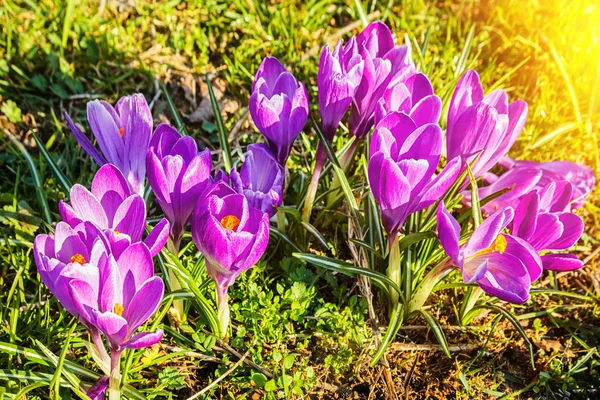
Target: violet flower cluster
x,y
98,263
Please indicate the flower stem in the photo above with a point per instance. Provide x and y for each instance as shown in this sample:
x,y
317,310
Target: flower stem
x,y
177,308
393,271
97,339
281,220
223,313
114,386
311,192
427,284
471,299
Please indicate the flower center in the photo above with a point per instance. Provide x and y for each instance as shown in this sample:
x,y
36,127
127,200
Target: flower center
x,y
121,131
118,309
230,222
78,258
499,245
117,232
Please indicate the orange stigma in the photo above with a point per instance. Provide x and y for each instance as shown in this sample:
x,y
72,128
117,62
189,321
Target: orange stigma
x,y
78,258
118,309
230,222
121,131
117,232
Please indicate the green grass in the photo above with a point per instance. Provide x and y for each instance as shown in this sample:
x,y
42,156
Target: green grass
x,y
305,330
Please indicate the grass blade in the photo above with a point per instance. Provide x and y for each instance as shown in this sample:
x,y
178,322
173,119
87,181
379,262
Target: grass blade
x,y
178,121
58,174
437,330
390,334
36,177
462,61
511,318
223,135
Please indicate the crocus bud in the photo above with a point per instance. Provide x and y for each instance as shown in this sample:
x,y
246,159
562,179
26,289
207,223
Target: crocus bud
x,y
340,73
486,127
541,220
112,207
383,63
413,97
260,179
123,134
278,106
402,168
502,265
177,174
231,235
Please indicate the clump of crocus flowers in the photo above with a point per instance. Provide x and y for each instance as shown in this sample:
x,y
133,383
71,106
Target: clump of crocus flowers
x,y
99,261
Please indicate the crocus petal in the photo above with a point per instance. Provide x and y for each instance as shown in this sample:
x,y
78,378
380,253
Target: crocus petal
x,y
144,303
106,131
525,221
506,278
84,142
87,206
109,179
144,339
448,232
158,237
488,231
561,262
130,217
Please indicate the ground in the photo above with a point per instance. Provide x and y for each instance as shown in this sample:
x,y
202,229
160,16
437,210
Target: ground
x,y
299,329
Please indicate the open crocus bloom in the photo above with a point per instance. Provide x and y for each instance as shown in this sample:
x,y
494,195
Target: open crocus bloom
x,y
278,106
383,63
402,168
112,207
485,126
123,134
115,296
178,174
543,220
340,73
260,179
414,97
231,235
502,265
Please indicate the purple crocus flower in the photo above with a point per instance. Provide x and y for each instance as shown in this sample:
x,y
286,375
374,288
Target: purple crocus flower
x,y
278,106
502,265
413,97
384,63
581,176
260,179
123,134
58,257
340,73
485,126
177,174
115,296
112,207
231,235
402,165
543,220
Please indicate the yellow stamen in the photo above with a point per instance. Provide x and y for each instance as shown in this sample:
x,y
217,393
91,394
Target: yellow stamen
x,y
78,258
230,222
499,245
117,232
121,131
118,309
